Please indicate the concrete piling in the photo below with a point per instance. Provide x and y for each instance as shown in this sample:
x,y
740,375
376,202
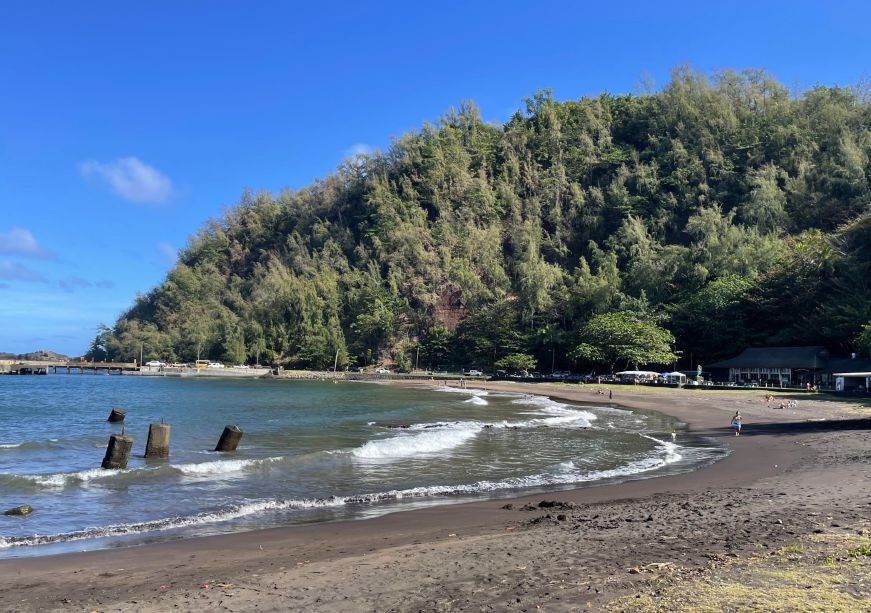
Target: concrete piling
x,y
230,438
118,451
158,441
117,415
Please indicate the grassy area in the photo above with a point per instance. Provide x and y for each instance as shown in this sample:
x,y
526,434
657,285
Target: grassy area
x,y
824,572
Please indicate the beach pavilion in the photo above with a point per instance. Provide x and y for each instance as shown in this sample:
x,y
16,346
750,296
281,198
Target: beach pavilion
x,y
788,366
773,365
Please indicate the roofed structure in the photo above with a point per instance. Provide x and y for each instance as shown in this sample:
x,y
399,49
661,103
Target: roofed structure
x,y
786,366
812,357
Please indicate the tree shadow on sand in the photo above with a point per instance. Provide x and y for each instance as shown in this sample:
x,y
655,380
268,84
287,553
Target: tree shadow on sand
x,y
788,428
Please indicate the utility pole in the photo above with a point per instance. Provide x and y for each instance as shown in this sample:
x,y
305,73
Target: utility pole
x,y
336,361
417,356
140,353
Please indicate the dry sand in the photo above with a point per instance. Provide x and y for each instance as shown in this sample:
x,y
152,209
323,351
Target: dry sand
x,y
792,497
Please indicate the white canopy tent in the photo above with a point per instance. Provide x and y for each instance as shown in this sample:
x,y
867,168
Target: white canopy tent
x,y
674,377
637,375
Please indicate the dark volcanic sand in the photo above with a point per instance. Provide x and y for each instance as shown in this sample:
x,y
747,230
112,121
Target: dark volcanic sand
x,y
789,475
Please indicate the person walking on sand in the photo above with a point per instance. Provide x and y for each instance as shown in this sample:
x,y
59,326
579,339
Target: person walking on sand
x,y
610,394
736,423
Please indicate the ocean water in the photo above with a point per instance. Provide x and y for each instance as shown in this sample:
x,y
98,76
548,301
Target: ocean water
x,y
311,451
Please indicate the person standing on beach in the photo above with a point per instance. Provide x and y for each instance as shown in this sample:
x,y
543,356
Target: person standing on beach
x,y
736,423
610,394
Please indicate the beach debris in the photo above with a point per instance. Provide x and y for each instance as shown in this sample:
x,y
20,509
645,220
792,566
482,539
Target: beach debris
x,y
24,509
117,415
230,438
508,507
118,451
157,446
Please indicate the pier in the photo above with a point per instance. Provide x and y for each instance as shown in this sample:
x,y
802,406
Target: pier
x,y
36,367
45,367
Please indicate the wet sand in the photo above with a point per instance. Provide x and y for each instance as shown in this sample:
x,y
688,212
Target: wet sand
x,y
792,473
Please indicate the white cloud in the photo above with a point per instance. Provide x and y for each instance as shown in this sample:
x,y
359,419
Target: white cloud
x,y
131,179
358,149
11,271
168,252
19,241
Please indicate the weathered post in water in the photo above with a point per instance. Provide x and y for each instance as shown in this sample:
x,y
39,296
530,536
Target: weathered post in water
x,y
117,415
158,441
118,451
230,438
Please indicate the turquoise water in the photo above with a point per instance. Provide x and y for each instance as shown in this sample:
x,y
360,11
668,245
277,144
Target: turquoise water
x,y
312,451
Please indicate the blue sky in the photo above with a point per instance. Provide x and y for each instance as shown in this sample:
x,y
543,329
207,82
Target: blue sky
x,y
125,126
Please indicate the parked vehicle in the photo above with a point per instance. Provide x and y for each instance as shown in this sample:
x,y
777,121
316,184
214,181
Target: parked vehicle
x,y
474,373
155,363
216,365
382,371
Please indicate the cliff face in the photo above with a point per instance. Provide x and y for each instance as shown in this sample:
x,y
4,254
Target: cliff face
x,y
721,209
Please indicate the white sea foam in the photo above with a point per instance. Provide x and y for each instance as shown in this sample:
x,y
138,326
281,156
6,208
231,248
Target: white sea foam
x,y
555,413
64,479
566,467
215,469
434,439
206,518
565,473
10,445
462,390
223,468
477,400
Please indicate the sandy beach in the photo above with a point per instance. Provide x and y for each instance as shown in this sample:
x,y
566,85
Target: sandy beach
x,y
774,526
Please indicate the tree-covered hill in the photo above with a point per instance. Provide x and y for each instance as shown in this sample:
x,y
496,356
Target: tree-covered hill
x,y
724,210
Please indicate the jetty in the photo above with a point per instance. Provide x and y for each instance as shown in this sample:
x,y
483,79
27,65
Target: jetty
x,y
43,367
72,367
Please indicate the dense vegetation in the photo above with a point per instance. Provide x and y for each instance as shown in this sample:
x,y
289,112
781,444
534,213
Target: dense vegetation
x,y
722,211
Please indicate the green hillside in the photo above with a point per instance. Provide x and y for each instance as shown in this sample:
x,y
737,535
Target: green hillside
x,y
723,209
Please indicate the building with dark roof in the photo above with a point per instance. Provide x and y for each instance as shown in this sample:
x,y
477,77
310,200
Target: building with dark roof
x,y
785,366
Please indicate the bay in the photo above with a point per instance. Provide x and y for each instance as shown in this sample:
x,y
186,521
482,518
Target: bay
x,y
311,451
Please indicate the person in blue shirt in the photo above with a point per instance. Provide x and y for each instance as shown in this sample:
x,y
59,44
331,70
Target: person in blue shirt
x,y
736,423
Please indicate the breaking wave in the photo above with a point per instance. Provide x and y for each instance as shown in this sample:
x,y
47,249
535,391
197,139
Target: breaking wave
x,y
216,469
435,439
566,473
